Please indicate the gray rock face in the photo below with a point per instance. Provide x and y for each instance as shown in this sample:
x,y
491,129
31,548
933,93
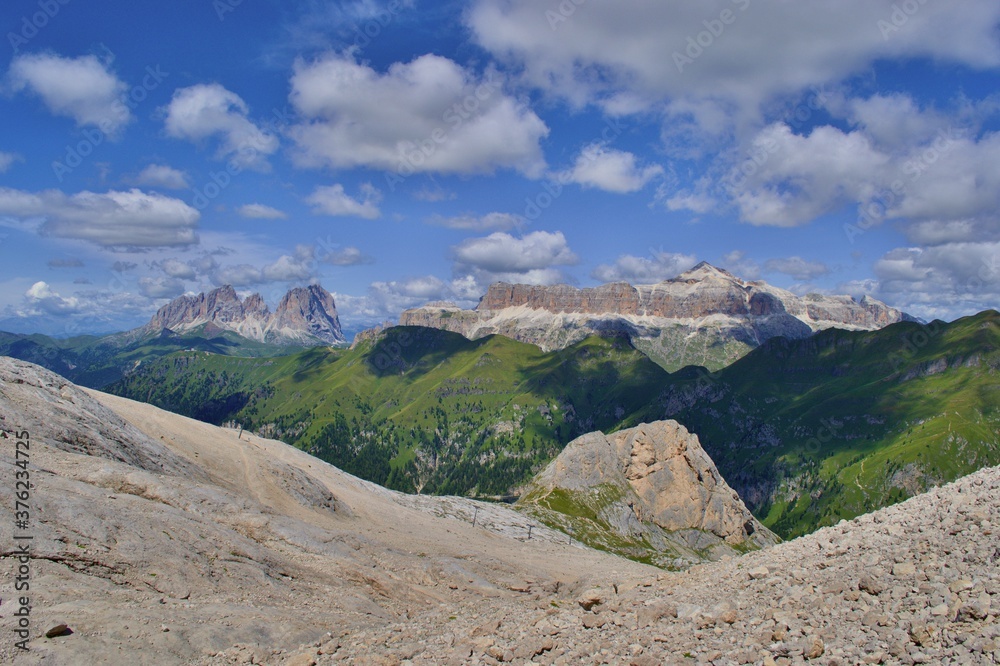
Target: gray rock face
x,y
705,315
653,481
304,315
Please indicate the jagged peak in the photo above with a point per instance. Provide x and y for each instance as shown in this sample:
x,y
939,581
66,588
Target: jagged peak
x,y
701,271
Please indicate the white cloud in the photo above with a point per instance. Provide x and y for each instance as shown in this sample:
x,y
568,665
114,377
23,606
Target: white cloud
x,y
346,256
80,88
160,287
943,281
428,115
113,219
238,275
502,253
175,268
332,200
292,268
739,264
161,175
622,54
488,222
386,300
610,170
40,296
261,212
202,111
644,270
7,159
797,267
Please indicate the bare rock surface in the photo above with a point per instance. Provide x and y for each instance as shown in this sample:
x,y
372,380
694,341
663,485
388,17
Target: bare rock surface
x,y
705,315
653,482
304,314
229,554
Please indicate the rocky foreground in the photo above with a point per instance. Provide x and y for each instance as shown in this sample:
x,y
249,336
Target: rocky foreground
x,y
916,583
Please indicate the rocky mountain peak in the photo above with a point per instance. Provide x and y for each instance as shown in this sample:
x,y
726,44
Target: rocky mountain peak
x,y
705,316
304,315
310,310
705,271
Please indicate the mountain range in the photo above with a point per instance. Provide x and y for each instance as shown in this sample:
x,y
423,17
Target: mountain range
x,y
705,316
218,322
305,316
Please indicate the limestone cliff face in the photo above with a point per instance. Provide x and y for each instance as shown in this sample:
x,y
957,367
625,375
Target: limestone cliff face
x,y
705,316
653,483
304,315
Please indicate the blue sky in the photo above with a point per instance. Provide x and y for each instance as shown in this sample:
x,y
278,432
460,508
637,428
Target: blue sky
x,y
406,151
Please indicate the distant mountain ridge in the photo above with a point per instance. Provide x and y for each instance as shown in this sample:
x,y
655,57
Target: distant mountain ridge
x,y
304,314
704,316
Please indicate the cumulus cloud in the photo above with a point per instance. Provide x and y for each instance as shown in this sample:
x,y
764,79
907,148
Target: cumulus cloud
x,y
488,222
346,256
258,211
644,270
161,175
797,267
427,116
175,268
739,264
79,88
939,177
633,55
610,170
292,268
503,253
199,112
160,287
385,300
114,219
40,296
333,200
943,281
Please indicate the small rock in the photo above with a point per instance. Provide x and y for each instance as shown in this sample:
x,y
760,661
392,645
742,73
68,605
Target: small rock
x,y
590,598
871,585
904,569
759,573
594,621
814,648
58,630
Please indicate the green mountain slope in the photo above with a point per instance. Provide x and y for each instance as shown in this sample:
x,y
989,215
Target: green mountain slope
x,y
99,361
812,431
417,409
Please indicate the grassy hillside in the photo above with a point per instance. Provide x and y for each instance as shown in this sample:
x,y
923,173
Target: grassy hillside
x,y
417,409
99,361
812,431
